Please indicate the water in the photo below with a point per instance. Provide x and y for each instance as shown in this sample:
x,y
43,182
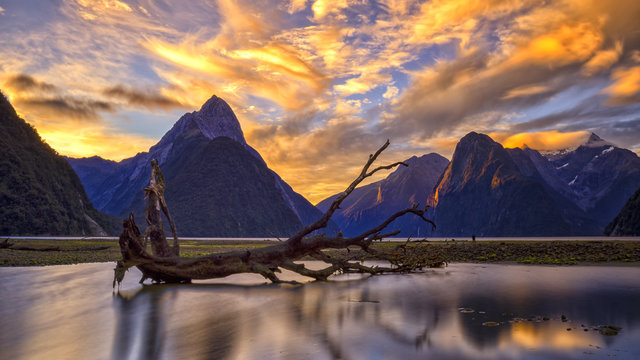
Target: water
x,y
479,238
70,312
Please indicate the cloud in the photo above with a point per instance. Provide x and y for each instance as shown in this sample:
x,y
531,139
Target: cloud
x,y
26,83
362,84
296,6
543,140
321,8
140,98
602,60
391,92
49,103
527,90
541,52
268,69
321,170
625,89
565,45
94,138
64,108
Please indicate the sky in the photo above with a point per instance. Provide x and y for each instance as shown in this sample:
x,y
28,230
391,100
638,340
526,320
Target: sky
x,y
319,85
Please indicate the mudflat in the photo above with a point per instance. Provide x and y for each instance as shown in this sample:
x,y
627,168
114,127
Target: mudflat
x,y
40,252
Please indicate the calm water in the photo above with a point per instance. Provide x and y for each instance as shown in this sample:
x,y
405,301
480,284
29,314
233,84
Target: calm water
x,y
479,238
70,312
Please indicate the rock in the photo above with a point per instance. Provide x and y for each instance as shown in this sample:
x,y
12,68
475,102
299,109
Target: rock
x,y
490,323
609,330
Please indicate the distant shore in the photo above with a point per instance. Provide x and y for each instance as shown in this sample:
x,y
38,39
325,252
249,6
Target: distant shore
x,y
41,252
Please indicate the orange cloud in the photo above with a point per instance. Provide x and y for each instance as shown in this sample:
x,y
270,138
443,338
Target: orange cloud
x,y
255,64
440,21
625,88
543,140
362,84
88,140
323,7
602,60
564,45
526,90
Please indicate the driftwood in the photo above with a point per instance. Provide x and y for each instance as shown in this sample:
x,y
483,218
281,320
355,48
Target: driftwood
x,y
164,264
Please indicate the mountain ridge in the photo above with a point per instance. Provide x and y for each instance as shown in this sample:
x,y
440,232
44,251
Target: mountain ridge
x,y
371,204
485,178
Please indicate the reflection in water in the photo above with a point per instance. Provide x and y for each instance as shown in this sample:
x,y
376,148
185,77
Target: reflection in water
x,y
140,331
388,317
537,336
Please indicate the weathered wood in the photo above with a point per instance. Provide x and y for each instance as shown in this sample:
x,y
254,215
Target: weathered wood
x,y
154,195
164,264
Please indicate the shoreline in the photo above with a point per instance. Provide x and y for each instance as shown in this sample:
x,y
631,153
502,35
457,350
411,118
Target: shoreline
x,y
44,252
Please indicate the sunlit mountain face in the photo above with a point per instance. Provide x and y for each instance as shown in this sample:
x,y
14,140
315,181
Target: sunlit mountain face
x,y
318,85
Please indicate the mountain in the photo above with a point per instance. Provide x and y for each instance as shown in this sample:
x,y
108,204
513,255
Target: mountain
x,y
93,171
211,188
485,192
601,177
534,166
40,194
218,187
370,205
627,223
488,190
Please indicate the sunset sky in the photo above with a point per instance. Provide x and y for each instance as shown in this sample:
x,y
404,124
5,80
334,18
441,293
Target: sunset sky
x,y
318,85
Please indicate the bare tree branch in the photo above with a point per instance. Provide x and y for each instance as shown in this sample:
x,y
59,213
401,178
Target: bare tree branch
x,y
164,265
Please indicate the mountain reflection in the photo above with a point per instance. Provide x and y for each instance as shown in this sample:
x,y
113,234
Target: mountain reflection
x,y
390,317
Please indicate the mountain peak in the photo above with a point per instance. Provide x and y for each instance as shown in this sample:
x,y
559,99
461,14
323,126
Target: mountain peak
x,y
473,142
215,118
596,141
476,137
593,138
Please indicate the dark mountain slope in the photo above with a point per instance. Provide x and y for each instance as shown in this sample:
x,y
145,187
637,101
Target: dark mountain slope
x,y
627,223
533,165
217,188
40,194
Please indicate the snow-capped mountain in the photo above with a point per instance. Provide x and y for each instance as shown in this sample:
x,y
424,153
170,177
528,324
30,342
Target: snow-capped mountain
x,y
600,176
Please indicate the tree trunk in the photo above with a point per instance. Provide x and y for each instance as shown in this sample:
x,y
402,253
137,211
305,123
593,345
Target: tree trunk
x,y
164,264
